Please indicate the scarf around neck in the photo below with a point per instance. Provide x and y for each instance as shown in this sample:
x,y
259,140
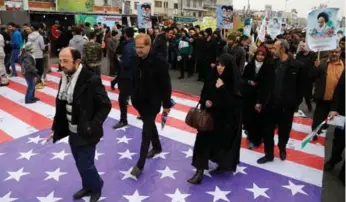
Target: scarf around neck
x,y
68,84
258,66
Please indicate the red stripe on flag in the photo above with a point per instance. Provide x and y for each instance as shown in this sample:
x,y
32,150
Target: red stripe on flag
x,y
303,121
28,116
300,136
4,137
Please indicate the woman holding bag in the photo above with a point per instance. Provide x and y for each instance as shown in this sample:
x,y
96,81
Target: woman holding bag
x,y
221,98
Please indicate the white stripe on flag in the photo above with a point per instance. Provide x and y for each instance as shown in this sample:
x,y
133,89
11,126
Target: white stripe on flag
x,y
13,126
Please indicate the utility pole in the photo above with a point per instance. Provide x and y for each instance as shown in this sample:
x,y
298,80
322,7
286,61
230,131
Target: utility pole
x,y
181,7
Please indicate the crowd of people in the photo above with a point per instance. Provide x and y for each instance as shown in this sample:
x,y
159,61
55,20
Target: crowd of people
x,y
255,87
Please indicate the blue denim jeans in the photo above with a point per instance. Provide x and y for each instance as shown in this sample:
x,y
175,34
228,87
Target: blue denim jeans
x,y
30,91
14,59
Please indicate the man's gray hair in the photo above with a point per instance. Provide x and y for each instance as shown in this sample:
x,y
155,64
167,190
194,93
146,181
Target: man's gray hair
x,y
284,44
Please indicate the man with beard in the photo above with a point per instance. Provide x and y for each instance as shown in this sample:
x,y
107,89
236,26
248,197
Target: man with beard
x,y
152,90
307,58
234,48
280,90
342,46
82,105
326,74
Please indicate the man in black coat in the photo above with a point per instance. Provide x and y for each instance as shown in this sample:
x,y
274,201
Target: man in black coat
x,y
162,42
279,93
152,90
82,105
338,108
128,62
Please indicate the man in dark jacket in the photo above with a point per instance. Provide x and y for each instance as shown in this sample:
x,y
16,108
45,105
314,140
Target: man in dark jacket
x,y
234,48
338,108
152,89
82,105
128,62
161,43
279,94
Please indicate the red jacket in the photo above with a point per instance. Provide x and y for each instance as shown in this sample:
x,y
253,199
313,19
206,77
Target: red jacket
x,y
55,32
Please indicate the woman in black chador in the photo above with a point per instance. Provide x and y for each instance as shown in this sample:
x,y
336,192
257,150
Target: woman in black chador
x,y
221,97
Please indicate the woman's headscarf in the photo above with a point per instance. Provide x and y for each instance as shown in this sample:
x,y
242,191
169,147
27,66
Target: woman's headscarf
x,y
230,75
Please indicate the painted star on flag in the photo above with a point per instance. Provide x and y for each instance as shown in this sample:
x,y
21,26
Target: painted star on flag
x,y
16,175
35,140
218,194
135,197
124,139
295,188
240,169
64,140
55,174
122,128
189,153
127,154
161,155
60,155
26,155
7,198
178,196
49,198
167,172
127,174
97,155
257,191
2,154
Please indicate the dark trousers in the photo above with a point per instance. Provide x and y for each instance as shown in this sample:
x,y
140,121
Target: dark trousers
x,y
13,60
338,145
183,65
124,95
30,91
252,121
321,113
40,68
283,118
84,156
149,135
202,150
7,63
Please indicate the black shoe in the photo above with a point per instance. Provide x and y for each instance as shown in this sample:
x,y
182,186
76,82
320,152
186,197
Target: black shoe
x,y
120,124
136,172
152,153
283,155
139,118
197,178
37,99
315,138
329,166
95,197
81,193
30,101
264,160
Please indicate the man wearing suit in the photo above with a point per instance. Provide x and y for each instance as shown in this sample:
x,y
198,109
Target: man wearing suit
x,y
82,105
152,90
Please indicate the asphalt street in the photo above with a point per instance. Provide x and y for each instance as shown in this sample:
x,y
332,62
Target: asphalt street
x,y
333,190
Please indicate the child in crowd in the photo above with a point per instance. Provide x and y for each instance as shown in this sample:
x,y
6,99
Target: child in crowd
x,y
29,71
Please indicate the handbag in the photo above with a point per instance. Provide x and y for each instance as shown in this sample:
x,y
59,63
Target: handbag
x,y
199,119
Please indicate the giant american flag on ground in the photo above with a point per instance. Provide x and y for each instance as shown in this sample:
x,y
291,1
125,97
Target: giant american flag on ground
x,y
31,171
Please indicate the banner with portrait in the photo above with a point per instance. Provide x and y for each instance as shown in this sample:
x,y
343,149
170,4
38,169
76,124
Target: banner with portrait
x,y
274,27
321,32
224,16
247,27
144,15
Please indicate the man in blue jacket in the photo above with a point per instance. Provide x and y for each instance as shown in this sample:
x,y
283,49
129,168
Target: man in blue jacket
x,y
128,62
16,44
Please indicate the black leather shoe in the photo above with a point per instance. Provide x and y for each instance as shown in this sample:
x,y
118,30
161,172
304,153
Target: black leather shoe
x,y
136,172
283,155
153,152
315,138
264,160
81,193
219,170
120,125
197,178
95,197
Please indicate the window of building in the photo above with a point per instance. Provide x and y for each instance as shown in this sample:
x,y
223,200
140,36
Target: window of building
x,y
188,3
158,4
135,5
194,3
175,5
165,4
